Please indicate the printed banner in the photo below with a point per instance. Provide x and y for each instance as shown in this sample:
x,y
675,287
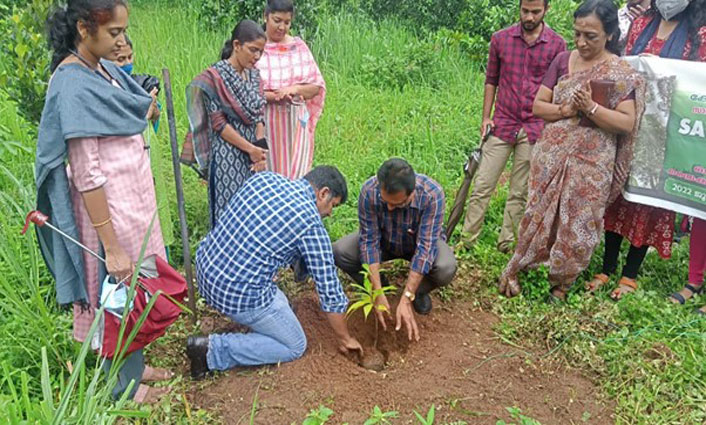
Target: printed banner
x,y
669,166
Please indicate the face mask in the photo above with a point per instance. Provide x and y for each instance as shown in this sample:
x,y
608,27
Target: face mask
x,y
671,8
127,68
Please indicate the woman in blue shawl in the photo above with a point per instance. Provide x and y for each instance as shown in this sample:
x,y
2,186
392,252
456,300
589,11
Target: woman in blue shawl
x,y
94,116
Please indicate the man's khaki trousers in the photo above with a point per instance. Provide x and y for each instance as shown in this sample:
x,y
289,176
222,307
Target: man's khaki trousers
x,y
495,155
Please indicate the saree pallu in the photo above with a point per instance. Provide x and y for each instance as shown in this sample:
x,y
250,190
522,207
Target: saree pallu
x,y
575,172
217,97
290,127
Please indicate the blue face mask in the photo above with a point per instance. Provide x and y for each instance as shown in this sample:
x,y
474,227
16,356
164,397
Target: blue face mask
x,y
127,68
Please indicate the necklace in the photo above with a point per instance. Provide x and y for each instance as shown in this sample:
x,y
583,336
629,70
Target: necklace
x,y
88,64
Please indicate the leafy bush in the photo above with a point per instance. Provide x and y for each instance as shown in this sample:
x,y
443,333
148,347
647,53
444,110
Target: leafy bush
x,y
417,64
224,14
421,14
24,67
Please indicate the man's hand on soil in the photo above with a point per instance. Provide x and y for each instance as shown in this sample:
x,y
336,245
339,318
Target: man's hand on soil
x,y
382,316
350,345
405,316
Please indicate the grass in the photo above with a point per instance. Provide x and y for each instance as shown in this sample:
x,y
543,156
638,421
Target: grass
x,y
646,354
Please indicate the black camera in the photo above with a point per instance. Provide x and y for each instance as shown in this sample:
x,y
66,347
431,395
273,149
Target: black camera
x,y
148,82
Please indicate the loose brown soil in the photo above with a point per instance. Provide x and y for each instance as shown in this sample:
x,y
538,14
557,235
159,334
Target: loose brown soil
x,y
459,365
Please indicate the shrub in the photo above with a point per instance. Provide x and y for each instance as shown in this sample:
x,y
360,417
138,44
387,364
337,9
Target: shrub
x,y
421,14
24,67
224,14
417,64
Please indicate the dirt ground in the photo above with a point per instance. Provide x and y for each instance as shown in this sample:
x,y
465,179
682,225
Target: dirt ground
x,y
459,365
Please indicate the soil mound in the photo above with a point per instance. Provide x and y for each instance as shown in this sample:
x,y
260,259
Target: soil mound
x,y
459,365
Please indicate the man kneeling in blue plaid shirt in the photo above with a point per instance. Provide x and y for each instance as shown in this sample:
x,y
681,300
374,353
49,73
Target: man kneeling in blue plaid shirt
x,y
267,224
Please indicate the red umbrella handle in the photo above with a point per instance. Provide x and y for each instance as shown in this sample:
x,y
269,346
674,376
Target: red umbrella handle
x,y
36,217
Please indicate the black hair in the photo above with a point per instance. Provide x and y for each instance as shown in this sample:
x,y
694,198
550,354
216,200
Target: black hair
x,y
396,175
245,32
696,15
128,41
273,6
546,3
329,176
61,24
607,13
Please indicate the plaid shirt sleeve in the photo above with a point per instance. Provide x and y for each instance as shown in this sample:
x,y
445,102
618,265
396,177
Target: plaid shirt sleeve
x,y
369,241
315,247
492,72
429,234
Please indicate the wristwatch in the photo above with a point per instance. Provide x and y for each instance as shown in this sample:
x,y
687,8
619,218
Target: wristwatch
x,y
409,294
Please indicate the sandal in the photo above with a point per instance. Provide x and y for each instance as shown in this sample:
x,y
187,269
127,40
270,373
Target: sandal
x,y
625,282
679,298
598,281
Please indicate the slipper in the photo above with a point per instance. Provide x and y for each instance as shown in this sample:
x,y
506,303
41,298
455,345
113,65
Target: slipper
x,y
597,282
695,290
616,295
150,395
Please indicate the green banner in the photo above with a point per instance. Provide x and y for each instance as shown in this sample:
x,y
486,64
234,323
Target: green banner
x,y
669,165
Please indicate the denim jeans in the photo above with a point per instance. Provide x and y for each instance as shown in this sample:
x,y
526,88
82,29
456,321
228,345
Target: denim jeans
x,y
275,336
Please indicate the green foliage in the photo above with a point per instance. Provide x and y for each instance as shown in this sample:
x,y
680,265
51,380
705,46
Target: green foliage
x,y
318,416
225,14
366,295
417,65
516,414
418,14
429,419
379,417
24,67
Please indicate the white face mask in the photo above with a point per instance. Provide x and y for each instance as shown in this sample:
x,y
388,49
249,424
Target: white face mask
x,y
671,8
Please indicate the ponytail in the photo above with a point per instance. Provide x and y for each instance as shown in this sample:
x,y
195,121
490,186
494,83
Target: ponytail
x,y
227,49
62,36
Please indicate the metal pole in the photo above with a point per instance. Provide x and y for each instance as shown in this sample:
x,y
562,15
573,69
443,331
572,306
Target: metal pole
x,y
180,193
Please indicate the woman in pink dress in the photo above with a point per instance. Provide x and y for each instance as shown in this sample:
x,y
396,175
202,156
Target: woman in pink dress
x,y
94,116
294,90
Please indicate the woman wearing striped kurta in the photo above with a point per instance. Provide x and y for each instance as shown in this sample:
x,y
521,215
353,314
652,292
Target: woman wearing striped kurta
x,y
295,92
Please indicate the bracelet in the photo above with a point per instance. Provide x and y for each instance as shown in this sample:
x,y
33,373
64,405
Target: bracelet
x,y
592,112
102,223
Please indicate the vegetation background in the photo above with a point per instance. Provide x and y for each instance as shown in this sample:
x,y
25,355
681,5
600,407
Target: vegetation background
x,y
405,78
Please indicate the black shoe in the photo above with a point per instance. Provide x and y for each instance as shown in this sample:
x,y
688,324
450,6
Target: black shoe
x,y
422,303
301,274
196,350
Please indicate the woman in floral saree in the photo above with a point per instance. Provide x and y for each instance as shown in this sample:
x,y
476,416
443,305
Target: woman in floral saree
x,y
295,92
577,169
226,107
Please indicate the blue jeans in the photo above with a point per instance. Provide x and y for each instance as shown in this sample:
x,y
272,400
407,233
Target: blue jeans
x,y
275,336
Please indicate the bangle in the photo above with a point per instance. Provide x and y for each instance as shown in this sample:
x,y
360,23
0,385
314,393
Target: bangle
x,y
102,223
593,110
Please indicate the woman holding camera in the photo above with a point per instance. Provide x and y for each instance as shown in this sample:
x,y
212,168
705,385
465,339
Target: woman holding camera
x,y
226,108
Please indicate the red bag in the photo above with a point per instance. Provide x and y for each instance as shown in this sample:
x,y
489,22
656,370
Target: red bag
x,y
164,312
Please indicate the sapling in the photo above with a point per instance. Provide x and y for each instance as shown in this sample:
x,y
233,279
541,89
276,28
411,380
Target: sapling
x,y
366,300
